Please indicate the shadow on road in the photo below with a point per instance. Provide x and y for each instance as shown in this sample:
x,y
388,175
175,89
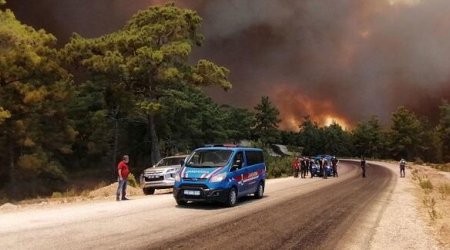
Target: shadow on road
x,y
217,205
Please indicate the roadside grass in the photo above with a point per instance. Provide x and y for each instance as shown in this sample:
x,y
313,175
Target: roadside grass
x,y
426,184
430,203
441,167
434,189
415,174
70,195
444,190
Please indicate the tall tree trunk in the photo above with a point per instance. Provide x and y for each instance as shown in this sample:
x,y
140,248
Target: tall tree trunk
x,y
116,140
154,142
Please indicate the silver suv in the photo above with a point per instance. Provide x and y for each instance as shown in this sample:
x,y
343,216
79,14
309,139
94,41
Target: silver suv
x,y
161,175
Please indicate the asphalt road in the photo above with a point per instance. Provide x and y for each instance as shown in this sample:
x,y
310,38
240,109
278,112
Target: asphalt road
x,y
294,214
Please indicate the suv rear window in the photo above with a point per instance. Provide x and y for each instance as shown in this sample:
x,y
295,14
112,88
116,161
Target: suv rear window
x,y
254,157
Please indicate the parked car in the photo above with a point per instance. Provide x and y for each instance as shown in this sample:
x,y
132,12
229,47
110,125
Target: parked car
x,y
221,174
162,174
316,165
316,168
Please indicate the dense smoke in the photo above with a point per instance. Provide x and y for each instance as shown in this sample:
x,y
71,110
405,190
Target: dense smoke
x,y
332,59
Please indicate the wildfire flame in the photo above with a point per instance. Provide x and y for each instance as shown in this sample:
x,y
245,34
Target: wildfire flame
x,y
294,106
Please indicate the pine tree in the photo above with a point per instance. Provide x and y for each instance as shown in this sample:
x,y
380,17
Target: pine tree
x,y
405,134
148,56
368,138
266,121
35,134
311,137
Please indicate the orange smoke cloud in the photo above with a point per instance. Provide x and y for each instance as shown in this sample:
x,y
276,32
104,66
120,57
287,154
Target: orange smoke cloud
x,y
294,105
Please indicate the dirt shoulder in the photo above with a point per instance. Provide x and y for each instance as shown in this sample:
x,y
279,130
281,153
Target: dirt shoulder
x,y
432,190
405,222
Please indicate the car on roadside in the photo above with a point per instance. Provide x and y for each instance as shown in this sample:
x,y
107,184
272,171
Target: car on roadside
x,y
315,168
316,165
162,174
221,173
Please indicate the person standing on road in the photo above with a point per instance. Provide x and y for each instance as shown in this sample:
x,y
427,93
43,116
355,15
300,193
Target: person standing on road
x,y
307,165
402,168
334,162
296,166
304,168
363,167
123,172
320,166
324,168
311,164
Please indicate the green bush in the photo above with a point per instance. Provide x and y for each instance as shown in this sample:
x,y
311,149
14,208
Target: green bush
x,y
279,166
132,181
275,172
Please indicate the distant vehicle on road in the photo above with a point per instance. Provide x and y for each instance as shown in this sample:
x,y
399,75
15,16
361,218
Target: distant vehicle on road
x,y
315,169
316,165
162,174
221,173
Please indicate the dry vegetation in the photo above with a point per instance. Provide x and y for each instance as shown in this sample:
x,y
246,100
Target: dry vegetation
x,y
434,191
442,167
102,190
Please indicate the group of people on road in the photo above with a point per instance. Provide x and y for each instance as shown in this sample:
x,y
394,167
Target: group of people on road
x,y
301,165
305,165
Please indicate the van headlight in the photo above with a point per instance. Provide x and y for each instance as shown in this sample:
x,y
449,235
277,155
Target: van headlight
x,y
219,177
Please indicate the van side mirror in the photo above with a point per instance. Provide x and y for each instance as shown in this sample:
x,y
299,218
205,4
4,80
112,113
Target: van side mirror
x,y
182,163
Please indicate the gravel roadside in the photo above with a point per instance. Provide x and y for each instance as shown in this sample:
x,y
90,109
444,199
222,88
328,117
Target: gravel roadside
x,y
399,224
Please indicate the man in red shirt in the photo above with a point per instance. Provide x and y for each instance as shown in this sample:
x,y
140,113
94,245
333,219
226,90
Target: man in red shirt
x,y
296,166
123,172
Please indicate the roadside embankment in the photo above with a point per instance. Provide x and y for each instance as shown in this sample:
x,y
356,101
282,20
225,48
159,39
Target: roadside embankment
x,y
432,189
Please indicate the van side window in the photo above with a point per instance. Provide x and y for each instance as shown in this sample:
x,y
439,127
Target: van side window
x,y
254,157
238,160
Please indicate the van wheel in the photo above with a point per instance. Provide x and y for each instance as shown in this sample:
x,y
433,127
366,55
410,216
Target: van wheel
x,y
260,191
232,198
148,191
181,202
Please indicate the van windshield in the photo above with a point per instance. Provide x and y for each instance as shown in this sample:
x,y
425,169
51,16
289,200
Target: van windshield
x,y
209,158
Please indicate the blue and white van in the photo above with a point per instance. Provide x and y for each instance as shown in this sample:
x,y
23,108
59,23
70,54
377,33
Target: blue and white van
x,y
221,173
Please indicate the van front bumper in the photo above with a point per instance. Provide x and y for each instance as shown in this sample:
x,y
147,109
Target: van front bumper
x,y
205,194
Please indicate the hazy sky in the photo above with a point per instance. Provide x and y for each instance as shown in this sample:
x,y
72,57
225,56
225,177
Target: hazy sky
x,y
332,59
